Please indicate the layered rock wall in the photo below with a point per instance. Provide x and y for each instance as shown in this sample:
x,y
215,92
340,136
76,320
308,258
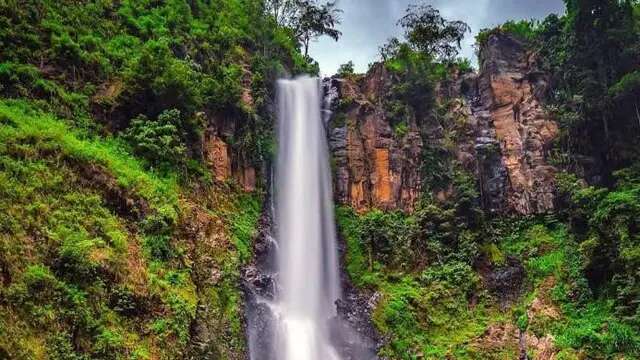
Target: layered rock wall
x,y
225,162
503,140
511,112
374,166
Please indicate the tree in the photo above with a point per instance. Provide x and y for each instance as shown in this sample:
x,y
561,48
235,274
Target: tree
x,y
160,141
316,21
597,43
390,49
427,31
284,12
346,70
306,18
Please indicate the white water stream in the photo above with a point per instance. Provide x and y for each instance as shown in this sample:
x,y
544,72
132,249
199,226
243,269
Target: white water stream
x,y
307,254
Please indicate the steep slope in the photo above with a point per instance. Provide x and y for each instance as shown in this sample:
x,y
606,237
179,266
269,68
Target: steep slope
x,y
101,258
511,89
375,165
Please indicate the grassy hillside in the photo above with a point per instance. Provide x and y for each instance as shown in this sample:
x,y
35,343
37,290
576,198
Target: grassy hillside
x,y
99,256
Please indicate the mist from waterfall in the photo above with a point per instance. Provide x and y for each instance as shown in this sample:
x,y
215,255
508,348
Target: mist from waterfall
x,y
307,256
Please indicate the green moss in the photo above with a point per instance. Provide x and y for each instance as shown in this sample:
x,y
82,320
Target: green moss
x,y
244,222
359,263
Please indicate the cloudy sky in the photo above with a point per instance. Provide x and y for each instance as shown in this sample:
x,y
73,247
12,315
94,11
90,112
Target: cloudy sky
x,y
367,24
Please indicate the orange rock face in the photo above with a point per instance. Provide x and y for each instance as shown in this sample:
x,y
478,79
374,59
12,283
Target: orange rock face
x,y
246,178
509,88
382,178
373,166
224,164
503,136
216,154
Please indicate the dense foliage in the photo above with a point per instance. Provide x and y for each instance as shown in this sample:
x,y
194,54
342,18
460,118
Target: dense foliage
x,y
442,302
115,61
429,32
307,19
592,54
115,243
77,278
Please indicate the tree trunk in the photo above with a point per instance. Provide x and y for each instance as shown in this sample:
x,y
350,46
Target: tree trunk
x,y
306,46
522,345
276,11
635,103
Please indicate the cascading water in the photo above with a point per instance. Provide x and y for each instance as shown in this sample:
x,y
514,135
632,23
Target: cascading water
x,y
307,255
294,284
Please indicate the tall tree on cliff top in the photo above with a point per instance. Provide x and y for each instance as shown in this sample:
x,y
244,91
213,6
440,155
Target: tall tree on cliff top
x,y
427,31
307,19
284,12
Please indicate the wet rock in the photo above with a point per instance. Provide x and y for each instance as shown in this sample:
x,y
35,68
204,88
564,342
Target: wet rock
x,y
353,333
505,281
259,288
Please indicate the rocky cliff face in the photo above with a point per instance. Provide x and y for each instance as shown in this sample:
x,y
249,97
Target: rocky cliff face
x,y
374,165
502,136
228,163
225,162
508,108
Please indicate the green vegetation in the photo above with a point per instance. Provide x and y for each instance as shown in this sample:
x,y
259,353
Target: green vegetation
x,y
346,70
93,257
307,19
115,242
590,54
79,230
423,311
440,306
525,30
113,62
159,141
571,275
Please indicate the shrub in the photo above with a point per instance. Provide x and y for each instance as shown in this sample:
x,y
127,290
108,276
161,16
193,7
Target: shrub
x,y
346,70
158,229
160,141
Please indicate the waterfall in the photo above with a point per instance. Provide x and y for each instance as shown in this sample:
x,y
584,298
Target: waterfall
x,y
295,308
307,256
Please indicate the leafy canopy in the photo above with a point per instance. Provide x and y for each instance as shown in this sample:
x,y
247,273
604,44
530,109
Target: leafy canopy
x,y
427,31
306,18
